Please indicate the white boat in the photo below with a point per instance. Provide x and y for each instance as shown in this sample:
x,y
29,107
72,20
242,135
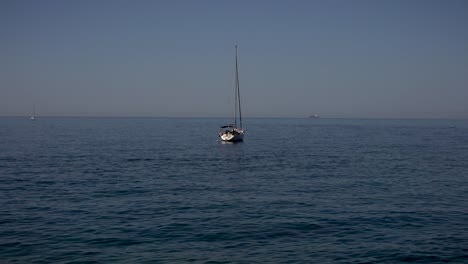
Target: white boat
x,y
234,132
231,133
33,117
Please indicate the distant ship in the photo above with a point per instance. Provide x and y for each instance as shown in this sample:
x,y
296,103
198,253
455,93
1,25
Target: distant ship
x,y
314,116
33,117
233,132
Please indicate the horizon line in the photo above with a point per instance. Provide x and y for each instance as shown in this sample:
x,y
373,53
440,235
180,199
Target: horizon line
x,y
252,117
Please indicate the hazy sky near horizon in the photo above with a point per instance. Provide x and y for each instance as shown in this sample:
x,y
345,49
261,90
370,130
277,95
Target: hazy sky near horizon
x,y
360,58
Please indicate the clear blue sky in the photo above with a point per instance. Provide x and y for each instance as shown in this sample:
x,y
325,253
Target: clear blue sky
x,y
370,59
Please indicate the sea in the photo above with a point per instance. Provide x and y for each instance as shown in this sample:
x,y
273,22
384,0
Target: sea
x,y
167,190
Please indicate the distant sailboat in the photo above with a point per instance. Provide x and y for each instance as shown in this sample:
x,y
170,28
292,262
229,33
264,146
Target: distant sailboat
x,y
232,132
33,117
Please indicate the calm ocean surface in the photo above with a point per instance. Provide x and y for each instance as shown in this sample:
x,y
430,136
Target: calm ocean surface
x,y
155,190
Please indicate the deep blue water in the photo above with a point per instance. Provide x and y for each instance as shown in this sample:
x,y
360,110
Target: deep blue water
x,y
154,190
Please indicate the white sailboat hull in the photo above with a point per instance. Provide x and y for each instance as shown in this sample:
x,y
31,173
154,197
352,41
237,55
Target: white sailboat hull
x,y
232,137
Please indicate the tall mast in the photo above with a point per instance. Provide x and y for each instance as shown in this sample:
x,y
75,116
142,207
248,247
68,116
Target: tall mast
x,y
235,90
238,92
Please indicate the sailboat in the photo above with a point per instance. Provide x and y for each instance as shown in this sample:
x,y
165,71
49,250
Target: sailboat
x,y
33,117
234,132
